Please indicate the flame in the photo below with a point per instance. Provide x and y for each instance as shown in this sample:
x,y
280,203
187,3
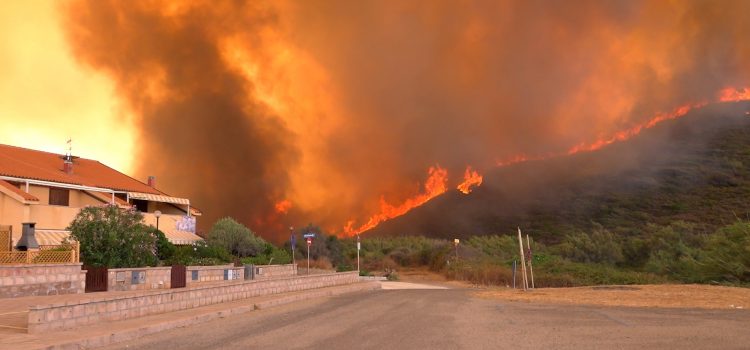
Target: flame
x,y
435,185
471,179
282,207
734,95
635,130
438,176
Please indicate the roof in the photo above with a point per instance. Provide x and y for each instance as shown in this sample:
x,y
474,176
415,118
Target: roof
x,y
6,187
55,237
37,165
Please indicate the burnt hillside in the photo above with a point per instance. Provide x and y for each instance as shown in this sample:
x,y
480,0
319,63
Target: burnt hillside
x,y
694,169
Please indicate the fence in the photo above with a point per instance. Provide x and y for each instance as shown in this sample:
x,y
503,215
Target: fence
x,y
6,238
47,254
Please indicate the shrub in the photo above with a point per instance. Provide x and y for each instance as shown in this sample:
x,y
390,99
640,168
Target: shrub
x,y
235,238
113,237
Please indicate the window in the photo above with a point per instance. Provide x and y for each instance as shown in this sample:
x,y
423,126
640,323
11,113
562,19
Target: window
x,y
59,196
141,205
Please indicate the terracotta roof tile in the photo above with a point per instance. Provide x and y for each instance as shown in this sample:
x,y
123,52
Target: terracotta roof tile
x,y
16,190
31,164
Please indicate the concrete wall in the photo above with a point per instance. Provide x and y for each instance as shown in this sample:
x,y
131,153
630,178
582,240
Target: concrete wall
x,y
139,278
161,277
71,315
274,271
213,274
52,279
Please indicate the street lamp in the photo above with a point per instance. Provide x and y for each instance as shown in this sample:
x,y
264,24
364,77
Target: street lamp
x,y
157,214
292,242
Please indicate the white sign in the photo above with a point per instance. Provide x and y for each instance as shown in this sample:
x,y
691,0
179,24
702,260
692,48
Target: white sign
x,y
186,223
359,246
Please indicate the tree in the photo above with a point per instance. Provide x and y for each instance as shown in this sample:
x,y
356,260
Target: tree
x,y
113,237
235,238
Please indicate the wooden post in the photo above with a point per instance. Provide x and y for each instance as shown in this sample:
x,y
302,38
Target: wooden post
x,y
523,261
531,267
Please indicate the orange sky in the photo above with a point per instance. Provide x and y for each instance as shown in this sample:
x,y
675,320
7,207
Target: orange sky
x,y
47,97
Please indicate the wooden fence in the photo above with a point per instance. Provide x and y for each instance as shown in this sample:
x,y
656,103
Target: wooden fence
x,y
6,238
47,254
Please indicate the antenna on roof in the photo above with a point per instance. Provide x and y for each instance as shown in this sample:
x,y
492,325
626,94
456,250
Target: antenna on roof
x,y
69,152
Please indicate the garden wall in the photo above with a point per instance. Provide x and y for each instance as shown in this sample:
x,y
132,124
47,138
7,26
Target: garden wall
x,y
198,274
41,279
74,314
274,271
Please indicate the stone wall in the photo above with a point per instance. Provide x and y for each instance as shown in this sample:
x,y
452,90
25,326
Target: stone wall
x,y
139,278
41,279
70,315
198,274
274,271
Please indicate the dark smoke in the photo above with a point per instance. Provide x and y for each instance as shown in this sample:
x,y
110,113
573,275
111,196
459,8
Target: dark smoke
x,y
417,83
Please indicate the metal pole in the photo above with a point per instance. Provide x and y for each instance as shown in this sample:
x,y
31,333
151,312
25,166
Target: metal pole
x,y
308,259
514,274
358,247
531,266
292,242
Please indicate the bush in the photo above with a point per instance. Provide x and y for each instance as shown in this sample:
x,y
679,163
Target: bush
x,y
235,238
113,237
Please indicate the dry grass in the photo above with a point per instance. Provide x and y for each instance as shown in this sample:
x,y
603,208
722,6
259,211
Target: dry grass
x,y
662,296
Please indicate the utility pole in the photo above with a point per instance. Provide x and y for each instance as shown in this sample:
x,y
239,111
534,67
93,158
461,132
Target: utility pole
x,y
523,261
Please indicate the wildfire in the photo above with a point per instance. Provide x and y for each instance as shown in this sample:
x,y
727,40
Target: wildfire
x,y
471,179
435,185
734,95
282,207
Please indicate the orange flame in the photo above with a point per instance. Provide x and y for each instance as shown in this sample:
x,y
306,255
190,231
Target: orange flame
x,y
438,176
734,95
282,207
435,185
471,179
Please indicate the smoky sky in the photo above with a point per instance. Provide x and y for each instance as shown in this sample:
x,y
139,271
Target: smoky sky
x,y
333,104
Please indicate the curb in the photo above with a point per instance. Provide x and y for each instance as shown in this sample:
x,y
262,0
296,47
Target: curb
x,y
137,332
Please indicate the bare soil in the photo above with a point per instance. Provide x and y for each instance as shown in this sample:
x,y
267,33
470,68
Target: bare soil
x,y
659,296
662,296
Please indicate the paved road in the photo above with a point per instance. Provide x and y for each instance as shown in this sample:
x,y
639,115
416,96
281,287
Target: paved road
x,y
455,319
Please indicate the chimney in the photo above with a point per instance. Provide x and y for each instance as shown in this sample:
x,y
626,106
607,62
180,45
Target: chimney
x,y
28,237
68,165
152,181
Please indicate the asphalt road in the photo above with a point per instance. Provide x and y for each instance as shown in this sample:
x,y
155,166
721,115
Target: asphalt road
x,y
455,319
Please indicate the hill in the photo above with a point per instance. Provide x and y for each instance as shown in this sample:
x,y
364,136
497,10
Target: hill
x,y
694,169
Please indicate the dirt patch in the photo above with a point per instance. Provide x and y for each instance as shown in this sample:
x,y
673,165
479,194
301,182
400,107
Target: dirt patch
x,y
664,296
423,275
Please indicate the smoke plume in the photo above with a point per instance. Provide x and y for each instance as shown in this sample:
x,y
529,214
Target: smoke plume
x,y
280,113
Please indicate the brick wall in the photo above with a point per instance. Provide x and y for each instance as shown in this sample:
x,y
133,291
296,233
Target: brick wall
x,y
139,278
70,315
42,279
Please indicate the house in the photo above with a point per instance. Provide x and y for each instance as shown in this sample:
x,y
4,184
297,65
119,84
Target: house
x,y
49,189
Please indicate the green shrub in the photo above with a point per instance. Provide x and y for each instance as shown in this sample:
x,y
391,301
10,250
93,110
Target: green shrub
x,y
113,237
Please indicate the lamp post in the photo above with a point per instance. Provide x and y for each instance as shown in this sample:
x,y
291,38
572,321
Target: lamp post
x,y
358,247
292,242
157,214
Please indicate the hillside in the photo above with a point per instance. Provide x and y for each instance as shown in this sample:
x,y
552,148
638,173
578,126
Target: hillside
x,y
694,169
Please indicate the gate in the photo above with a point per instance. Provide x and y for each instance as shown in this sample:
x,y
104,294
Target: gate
x,y
179,276
96,279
